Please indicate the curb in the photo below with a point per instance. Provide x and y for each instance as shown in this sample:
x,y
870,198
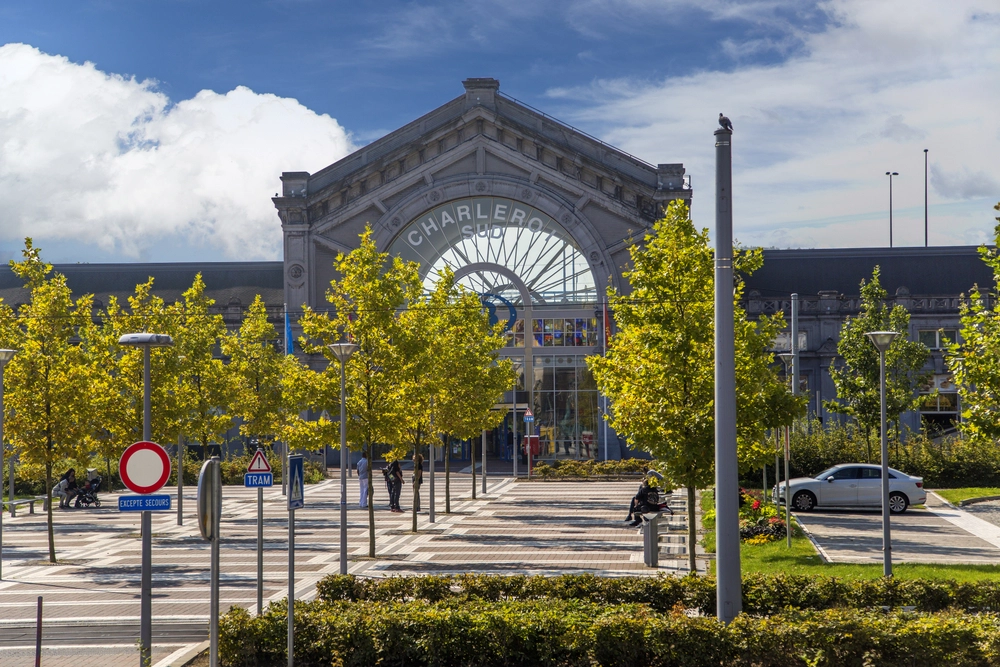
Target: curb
x,y
972,501
183,656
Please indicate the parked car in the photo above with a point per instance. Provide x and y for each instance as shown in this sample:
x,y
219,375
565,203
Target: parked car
x,y
852,485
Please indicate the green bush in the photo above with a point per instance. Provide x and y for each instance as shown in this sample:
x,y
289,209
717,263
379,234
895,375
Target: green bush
x,y
577,632
567,468
762,594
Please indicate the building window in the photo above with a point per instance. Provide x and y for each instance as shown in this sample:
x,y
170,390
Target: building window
x,y
936,339
939,403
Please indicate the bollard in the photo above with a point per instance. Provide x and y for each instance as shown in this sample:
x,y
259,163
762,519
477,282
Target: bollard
x,y
651,542
38,634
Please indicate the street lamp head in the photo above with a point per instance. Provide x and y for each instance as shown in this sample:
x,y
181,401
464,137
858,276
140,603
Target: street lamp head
x,y
787,358
5,356
882,339
146,339
343,351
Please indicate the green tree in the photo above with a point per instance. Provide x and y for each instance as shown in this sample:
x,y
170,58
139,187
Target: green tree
x,y
256,368
117,389
974,360
659,367
204,388
471,377
857,374
367,301
49,378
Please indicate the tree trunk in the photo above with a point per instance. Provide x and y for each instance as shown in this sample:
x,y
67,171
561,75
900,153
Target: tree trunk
x,y
692,532
48,495
371,507
416,498
447,476
111,484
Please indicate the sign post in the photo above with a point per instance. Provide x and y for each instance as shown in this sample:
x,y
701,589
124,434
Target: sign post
x,y
209,518
144,468
296,499
259,476
529,419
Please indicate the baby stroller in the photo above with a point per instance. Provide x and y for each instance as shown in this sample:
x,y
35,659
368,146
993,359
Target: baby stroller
x,y
87,494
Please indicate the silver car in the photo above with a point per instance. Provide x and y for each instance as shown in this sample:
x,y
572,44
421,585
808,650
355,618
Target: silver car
x,y
852,485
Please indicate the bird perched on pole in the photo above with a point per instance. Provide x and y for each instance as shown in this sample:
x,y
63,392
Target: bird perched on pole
x,y
725,122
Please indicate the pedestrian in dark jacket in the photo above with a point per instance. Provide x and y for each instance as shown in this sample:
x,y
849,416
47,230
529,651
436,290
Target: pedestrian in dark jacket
x,y
394,479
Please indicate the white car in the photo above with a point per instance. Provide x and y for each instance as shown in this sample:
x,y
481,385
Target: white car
x,y
852,485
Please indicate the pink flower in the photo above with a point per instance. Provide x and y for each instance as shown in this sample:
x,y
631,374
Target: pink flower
x,y
756,505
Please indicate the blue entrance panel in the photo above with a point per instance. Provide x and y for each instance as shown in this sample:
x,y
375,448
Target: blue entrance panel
x,y
148,503
254,480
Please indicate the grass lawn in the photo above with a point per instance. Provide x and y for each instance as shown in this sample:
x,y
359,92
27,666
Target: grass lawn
x,y
802,558
955,496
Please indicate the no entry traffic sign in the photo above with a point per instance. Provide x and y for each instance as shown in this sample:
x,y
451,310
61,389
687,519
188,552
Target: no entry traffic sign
x,y
144,467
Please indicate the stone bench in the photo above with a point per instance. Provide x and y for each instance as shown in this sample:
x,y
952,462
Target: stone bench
x,y
12,505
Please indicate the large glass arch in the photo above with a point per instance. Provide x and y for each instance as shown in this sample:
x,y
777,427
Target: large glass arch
x,y
501,232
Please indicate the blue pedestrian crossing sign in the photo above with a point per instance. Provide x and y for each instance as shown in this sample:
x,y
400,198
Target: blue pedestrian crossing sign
x,y
296,488
528,416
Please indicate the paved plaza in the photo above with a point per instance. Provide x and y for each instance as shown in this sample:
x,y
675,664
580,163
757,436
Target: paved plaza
x,y
91,597
936,533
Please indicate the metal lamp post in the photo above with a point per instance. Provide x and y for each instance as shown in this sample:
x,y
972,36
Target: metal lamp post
x,y
5,356
146,341
343,352
789,360
890,174
925,197
882,340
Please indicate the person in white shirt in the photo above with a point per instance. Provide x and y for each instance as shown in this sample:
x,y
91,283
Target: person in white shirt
x,y
363,478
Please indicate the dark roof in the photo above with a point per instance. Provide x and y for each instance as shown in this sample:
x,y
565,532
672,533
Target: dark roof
x,y
224,281
949,270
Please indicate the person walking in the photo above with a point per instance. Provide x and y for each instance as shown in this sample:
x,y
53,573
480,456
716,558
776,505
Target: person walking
x,y
363,478
418,479
394,478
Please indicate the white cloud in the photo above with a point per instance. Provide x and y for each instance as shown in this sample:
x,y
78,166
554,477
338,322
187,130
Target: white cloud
x,y
815,134
109,161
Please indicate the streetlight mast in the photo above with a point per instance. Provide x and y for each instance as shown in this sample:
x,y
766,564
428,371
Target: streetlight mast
x,y
890,174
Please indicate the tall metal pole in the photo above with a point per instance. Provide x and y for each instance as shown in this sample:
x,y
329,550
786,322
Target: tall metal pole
x,y
260,550
343,468
291,586
213,619
430,465
146,593
890,174
180,480
484,462
788,500
729,594
925,197
886,537
796,370
3,364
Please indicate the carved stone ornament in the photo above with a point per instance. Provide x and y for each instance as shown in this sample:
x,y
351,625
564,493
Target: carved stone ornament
x,y
396,222
594,256
435,196
295,271
526,194
481,186
566,218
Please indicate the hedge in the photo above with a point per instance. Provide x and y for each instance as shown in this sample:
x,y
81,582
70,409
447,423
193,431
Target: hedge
x,y
575,632
762,594
568,468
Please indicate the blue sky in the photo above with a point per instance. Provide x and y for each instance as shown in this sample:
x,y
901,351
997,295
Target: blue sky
x,y
158,129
